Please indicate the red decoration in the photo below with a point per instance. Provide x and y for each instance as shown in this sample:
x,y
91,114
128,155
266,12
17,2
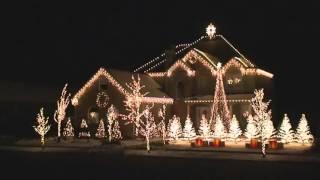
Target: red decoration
x,y
217,142
254,143
273,144
199,142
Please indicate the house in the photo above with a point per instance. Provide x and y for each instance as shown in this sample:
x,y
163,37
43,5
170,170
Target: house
x,y
184,78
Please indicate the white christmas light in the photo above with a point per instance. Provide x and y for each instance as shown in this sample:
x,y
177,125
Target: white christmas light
x,y
285,133
116,133
102,99
303,134
68,131
211,30
62,105
162,125
251,130
147,126
188,130
219,106
219,129
101,132
84,131
182,65
235,130
43,127
204,128
262,118
112,115
174,128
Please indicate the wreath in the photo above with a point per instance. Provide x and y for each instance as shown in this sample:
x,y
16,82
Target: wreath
x,y
102,99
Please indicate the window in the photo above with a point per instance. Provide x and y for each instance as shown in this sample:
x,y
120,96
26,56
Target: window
x,y
180,90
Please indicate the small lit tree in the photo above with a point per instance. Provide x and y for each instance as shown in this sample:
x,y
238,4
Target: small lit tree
x,y
188,130
101,133
262,118
112,117
116,133
219,130
84,131
62,105
303,134
174,128
285,133
234,131
251,130
43,127
162,125
133,103
68,131
204,128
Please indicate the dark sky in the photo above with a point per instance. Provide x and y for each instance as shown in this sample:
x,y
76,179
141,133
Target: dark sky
x,y
51,44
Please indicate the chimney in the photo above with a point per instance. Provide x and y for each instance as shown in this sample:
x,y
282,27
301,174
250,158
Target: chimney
x,y
170,55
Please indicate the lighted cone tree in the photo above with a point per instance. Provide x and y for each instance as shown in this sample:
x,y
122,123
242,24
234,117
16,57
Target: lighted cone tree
x,y
101,132
162,125
220,107
62,105
285,133
204,128
68,131
188,130
147,126
116,133
133,103
174,128
219,130
234,131
262,118
84,131
303,134
112,115
251,130
42,128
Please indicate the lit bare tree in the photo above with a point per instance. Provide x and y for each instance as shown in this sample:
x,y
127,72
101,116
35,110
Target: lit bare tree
x,y
133,104
43,127
162,123
60,113
147,126
262,117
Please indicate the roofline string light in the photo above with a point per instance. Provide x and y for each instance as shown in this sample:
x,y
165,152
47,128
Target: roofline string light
x,y
103,72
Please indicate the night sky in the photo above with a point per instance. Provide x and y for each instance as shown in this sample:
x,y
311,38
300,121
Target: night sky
x,y
51,44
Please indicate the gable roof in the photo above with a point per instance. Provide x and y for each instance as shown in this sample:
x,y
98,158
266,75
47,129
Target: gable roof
x,y
217,49
118,79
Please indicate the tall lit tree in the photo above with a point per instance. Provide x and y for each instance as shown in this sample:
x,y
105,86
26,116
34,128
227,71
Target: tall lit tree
x,y
251,130
188,130
204,128
112,115
174,128
219,130
262,118
116,133
234,131
68,131
62,105
101,132
147,126
162,125
43,127
303,134
285,133
133,103
220,107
